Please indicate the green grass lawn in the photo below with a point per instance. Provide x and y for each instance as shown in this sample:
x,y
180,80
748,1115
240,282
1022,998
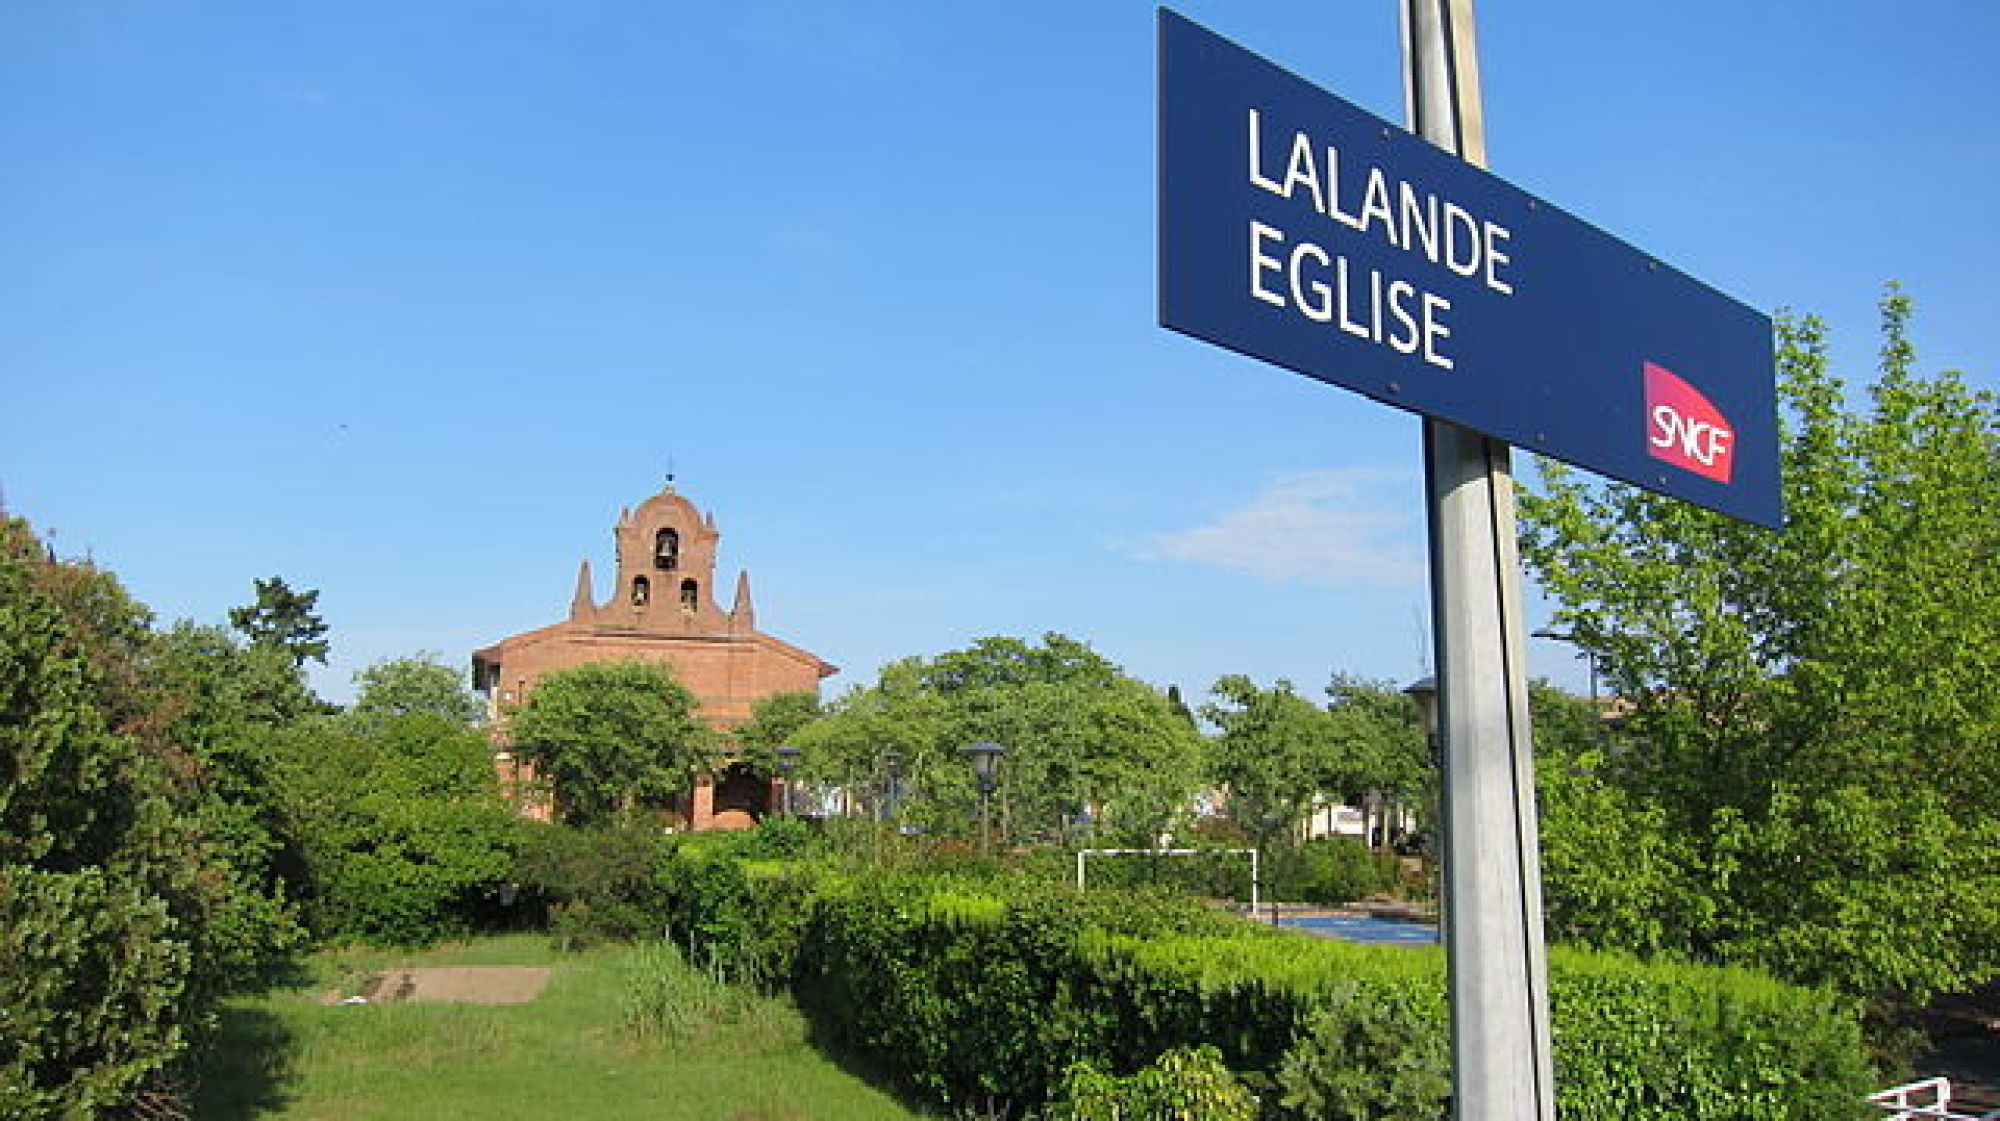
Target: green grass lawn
x,y
573,1053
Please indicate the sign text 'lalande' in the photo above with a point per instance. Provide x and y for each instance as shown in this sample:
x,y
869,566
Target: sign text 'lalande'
x,y
1296,269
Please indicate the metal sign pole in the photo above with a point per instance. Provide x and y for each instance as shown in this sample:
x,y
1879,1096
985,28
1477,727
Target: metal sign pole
x,y
1502,1067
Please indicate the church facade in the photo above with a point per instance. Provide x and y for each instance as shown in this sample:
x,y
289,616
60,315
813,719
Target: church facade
x,y
663,609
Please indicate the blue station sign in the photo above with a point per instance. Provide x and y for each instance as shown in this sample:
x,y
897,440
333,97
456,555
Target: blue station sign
x,y
1301,230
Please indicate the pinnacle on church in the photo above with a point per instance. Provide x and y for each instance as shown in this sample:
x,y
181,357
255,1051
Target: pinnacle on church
x,y
585,599
741,612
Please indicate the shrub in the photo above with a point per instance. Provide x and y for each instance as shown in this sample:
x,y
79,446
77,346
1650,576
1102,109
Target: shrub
x,y
1370,1051
989,990
1257,995
981,997
577,926
1660,1041
594,885
1185,1084
743,916
402,824
1334,870
780,838
93,991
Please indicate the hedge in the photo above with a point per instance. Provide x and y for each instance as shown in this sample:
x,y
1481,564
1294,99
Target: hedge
x,y
981,991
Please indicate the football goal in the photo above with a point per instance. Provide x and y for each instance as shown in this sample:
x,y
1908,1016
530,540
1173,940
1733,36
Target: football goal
x,y
1082,863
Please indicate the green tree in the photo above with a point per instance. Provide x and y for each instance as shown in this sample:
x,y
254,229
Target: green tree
x,y
1380,748
285,619
220,705
1612,872
105,888
216,685
1089,749
774,720
1003,662
418,684
1814,712
848,747
403,826
1274,752
605,736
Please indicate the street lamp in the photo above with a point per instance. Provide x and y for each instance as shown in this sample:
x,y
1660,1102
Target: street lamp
x,y
1374,816
1424,691
788,758
1588,653
892,761
985,759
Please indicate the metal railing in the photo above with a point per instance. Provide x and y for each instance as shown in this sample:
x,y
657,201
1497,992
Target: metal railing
x,y
1924,1098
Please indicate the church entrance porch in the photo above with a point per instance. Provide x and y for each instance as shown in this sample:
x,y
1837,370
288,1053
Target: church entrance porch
x,y
738,798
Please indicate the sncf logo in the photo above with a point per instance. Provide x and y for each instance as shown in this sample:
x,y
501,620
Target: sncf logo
x,y
1684,429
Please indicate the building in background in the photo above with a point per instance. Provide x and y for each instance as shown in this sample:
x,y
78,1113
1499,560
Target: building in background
x,y
662,608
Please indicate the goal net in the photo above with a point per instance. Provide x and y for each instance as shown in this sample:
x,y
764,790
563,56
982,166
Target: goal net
x,y
1202,878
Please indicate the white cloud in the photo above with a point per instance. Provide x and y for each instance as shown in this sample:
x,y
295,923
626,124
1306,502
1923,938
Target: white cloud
x,y
1341,527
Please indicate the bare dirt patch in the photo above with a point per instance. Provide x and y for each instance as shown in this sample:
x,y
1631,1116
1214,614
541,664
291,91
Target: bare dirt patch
x,y
459,984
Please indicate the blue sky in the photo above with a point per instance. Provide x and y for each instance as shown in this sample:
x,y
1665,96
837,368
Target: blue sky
x,y
404,301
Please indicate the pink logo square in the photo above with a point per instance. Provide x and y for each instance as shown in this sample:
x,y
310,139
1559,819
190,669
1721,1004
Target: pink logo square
x,y
1685,429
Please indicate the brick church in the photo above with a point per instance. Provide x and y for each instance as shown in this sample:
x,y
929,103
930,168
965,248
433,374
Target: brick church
x,y
662,608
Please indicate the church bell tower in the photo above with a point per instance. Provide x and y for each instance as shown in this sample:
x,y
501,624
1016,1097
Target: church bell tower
x,y
666,575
